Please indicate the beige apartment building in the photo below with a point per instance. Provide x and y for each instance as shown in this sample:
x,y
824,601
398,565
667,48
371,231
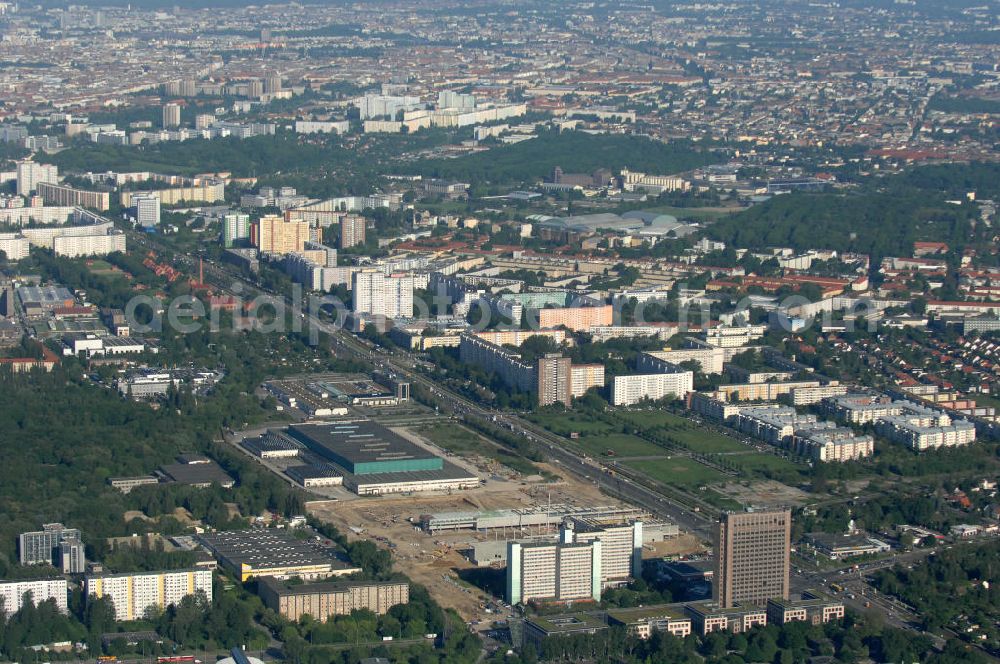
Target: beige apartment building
x,y
272,234
323,600
57,194
578,319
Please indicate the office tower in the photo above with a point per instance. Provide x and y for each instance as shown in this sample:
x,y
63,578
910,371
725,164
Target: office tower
x,y
560,572
42,547
136,594
272,234
752,551
235,228
555,379
31,174
272,84
380,295
72,558
147,209
352,230
171,115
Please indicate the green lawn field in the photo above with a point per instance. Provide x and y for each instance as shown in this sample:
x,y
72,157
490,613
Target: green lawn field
x,y
678,471
699,439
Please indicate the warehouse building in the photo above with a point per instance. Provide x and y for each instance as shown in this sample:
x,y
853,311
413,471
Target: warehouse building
x,y
375,460
323,600
274,552
315,476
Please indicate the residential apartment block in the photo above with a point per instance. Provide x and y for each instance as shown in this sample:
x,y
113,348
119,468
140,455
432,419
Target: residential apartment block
x,y
41,590
378,294
558,572
631,389
323,600
134,595
272,234
55,194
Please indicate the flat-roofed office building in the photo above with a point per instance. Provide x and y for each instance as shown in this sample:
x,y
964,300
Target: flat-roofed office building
x,y
752,550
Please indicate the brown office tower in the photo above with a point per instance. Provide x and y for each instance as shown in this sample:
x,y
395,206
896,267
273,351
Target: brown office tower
x,y
752,550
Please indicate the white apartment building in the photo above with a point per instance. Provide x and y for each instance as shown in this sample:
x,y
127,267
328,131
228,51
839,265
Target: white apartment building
x,y
602,333
377,106
628,390
74,246
147,209
135,594
832,444
235,226
724,336
171,115
42,590
377,294
559,572
922,428
632,180
14,246
29,174
621,548
861,408
317,127
710,360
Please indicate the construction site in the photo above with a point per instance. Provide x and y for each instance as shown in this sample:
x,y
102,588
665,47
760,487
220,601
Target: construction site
x,y
435,538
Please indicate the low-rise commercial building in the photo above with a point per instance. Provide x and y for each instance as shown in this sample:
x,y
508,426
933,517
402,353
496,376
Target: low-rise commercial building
x,y
813,608
539,628
260,552
707,617
850,545
642,622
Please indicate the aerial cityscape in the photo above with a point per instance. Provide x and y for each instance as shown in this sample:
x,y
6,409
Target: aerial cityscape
x,y
500,332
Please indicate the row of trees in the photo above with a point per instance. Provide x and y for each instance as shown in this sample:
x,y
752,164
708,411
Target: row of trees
x,y
953,589
855,639
573,152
